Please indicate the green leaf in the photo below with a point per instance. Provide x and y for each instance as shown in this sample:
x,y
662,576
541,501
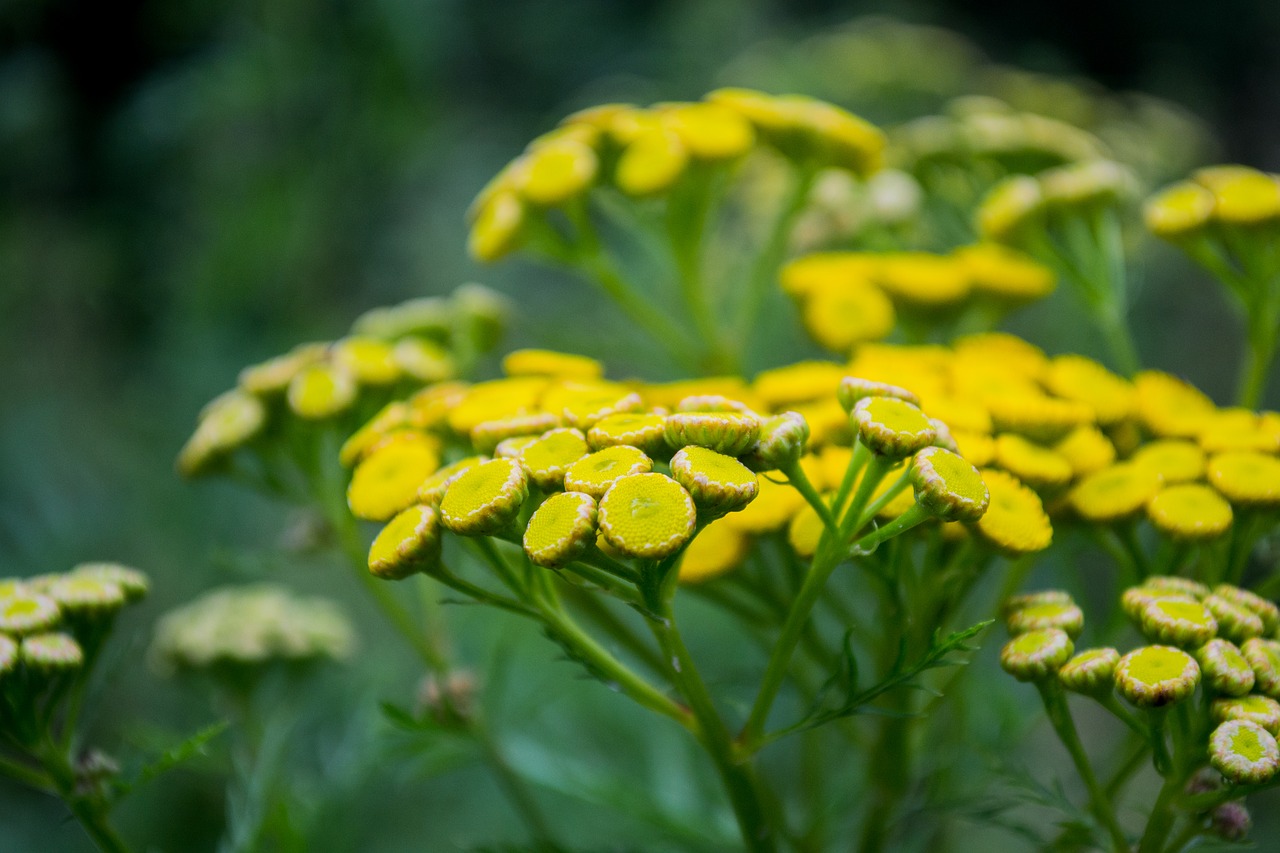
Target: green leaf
x,y
169,759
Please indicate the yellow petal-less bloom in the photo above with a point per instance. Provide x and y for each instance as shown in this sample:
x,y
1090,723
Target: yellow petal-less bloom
x,y
1169,407
651,163
804,531
498,227
710,131
978,449
840,319
824,271
719,484
649,516
228,422
1179,211
596,472
1010,206
1036,655
321,391
51,653
1087,450
273,376
1262,710
645,431
1244,752
774,507
1264,656
922,281
783,440
1190,512
1242,196
586,409
433,488
1225,671
485,498
948,486
549,456
388,478
1037,416
423,360
1155,676
1246,479
718,548
1189,624
892,427
731,433
487,435
1039,467
1065,616
802,382
494,400
543,362
1004,274
1075,377
370,360
1090,672
556,172
429,408
1235,622
24,612
1266,610
854,388
392,418
561,530
409,543
1114,493
999,351
1174,460
1015,521
1086,183
134,583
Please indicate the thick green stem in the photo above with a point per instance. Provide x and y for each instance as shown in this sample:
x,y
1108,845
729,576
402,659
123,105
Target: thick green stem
x,y
90,813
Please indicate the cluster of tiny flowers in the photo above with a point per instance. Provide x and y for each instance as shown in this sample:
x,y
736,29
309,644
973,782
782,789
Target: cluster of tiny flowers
x,y
849,298
564,461
388,351
647,152
1021,207
250,626
51,625
1224,640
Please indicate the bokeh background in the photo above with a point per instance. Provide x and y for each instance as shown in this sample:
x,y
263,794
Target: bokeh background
x,y
189,187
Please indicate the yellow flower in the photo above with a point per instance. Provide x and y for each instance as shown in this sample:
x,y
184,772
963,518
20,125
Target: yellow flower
x,y
1037,416
487,435
498,227
960,414
369,360
828,422
391,419
827,271
561,530
803,382
493,400
1246,479
556,171
1114,493
1087,183
1169,407
892,427
649,516
429,408
1036,655
651,163
1242,196
730,433
999,352
587,407
719,484
1038,467
423,360
1189,512
1087,450
550,456
409,543
1175,461
485,498
1074,377
596,472
710,131
433,488
644,431
948,486
1155,676
1011,205
321,391
1178,211
273,376
541,362
839,319
1015,521
718,548
1005,274
923,281
228,422
388,478
775,505
977,448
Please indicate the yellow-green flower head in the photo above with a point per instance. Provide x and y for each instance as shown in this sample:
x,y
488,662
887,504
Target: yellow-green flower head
x,y
731,433
1134,601
561,530
1242,196
485,499
52,652
1155,676
1036,655
1190,512
840,318
409,543
719,548
587,409
370,360
1169,407
596,472
782,442
272,376
429,408
554,172
8,655
978,448
1087,183
1244,752
1004,274
228,422
1265,610
1037,416
792,384
27,612
1238,430
498,227
649,516
1114,494
1175,460
1174,584
424,315
1015,521
1014,603
1091,672
1065,616
1264,657
1224,668
395,417
1087,450
423,360
1010,206
651,162
487,435
542,362
1262,710
1246,479
1179,211
1083,380
387,480
548,457
1189,624
250,626
719,484
892,427
512,448
920,281
134,583
998,355
948,486
853,389
818,272
645,431
433,488
1037,466
709,131
1235,622
322,391
82,595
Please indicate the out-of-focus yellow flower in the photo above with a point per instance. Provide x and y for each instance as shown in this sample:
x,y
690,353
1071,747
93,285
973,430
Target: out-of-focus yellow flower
x,y
719,548
1015,521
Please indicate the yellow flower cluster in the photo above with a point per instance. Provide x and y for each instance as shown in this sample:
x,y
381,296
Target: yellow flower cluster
x,y
1220,198
1013,206
648,151
848,298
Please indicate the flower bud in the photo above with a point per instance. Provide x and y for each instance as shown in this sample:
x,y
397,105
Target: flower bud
x,y
1236,623
1230,821
561,530
409,543
486,435
51,653
730,433
719,484
1173,584
854,388
947,486
23,612
1180,623
1015,603
645,431
1155,676
227,423
649,516
551,455
1224,668
1266,610
1036,655
1036,617
485,499
84,596
781,443
1264,657
1244,752
1262,710
1091,672
434,487
892,427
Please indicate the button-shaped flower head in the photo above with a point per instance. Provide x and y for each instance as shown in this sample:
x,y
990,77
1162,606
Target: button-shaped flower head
x,y
1244,752
1091,672
551,455
645,431
322,391
1247,479
1262,710
409,543
1264,657
1189,512
649,516
228,422
1015,521
730,433
85,596
719,484
1224,668
561,530
852,389
1266,610
1179,211
1114,494
1188,624
1036,655
485,499
596,472
51,653
1156,676
1064,615
781,443
1235,622
25,612
134,583
948,486
892,427
388,478
434,487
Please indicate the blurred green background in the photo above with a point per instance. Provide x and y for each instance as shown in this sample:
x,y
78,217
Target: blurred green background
x,y
189,187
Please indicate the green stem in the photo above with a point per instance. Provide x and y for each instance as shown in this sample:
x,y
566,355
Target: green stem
x,y
800,482
909,519
1055,704
1262,322
90,813
687,216
29,776
1162,818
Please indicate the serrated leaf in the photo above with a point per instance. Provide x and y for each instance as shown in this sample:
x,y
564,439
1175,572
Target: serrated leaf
x,y
175,755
